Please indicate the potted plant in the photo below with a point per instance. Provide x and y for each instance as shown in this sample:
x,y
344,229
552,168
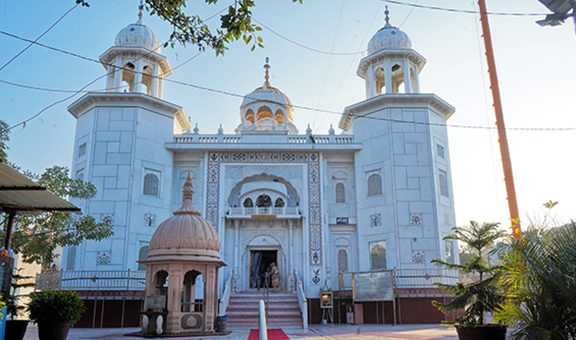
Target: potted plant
x,y
477,292
16,328
55,311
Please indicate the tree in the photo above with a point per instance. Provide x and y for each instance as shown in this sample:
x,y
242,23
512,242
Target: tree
x,y
236,24
36,237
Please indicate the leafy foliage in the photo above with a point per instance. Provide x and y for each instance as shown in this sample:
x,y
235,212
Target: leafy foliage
x,y
539,274
235,24
35,237
55,306
481,294
4,138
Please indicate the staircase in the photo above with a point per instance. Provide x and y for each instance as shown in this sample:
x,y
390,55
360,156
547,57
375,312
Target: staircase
x,y
282,309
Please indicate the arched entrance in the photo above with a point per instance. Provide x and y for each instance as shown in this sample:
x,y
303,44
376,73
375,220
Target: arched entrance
x,y
261,252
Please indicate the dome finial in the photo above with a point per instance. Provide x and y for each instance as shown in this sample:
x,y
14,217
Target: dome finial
x,y
187,193
140,11
387,16
267,73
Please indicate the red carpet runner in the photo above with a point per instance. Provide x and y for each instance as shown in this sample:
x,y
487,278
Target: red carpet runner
x,y
273,334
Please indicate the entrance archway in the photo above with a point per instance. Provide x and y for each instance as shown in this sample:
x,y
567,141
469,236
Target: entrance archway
x,y
261,251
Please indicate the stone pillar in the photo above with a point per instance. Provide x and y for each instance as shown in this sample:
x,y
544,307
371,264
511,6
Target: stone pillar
x,y
117,76
291,278
236,255
210,290
137,76
174,293
154,81
407,82
371,82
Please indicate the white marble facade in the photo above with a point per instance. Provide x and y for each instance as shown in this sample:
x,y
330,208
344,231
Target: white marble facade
x,y
375,196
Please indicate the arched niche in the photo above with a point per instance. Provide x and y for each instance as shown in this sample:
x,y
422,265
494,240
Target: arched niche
x,y
292,197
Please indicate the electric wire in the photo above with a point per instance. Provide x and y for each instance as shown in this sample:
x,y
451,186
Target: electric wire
x,y
308,108
466,11
38,38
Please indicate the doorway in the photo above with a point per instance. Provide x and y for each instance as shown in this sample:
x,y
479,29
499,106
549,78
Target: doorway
x,y
260,260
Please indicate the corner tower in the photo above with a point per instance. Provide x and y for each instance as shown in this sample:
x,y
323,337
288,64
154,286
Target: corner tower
x,y
120,147
403,182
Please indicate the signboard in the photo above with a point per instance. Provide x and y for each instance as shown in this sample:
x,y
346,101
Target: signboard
x,y
263,217
373,286
341,220
155,302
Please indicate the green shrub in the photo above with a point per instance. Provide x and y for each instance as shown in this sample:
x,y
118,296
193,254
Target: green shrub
x,y
58,306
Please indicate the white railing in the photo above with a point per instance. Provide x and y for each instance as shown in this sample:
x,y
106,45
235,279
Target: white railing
x,y
409,278
237,139
92,280
225,299
302,302
283,211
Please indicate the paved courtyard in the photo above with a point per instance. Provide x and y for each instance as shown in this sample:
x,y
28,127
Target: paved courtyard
x,y
334,332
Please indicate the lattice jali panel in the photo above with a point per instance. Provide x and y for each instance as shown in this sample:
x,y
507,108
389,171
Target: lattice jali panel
x,y
192,321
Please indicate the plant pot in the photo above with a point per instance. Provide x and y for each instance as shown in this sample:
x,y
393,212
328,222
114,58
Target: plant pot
x,y
52,330
484,332
15,329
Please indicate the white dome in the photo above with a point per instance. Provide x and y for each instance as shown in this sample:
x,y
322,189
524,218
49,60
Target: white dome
x,y
267,94
389,38
138,35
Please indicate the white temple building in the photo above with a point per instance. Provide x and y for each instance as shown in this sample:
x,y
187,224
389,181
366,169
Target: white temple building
x,y
374,195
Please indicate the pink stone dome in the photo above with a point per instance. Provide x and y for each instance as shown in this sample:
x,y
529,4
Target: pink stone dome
x,y
186,236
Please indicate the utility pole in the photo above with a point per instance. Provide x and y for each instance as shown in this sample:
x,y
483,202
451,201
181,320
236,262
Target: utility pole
x,y
500,125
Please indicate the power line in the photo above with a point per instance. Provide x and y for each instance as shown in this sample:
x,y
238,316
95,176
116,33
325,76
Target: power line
x,y
233,94
38,38
304,46
467,11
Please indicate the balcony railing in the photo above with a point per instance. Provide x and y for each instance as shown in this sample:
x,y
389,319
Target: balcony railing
x,y
92,280
283,211
238,139
409,278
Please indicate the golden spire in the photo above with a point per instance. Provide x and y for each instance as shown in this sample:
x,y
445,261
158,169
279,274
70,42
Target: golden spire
x,y
267,73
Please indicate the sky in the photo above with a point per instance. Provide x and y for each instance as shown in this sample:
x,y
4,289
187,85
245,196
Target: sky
x,y
314,50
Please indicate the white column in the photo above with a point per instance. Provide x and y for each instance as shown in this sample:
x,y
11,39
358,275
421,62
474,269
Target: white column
x,y
236,255
154,81
160,85
117,76
388,77
137,76
416,88
291,279
370,82
407,82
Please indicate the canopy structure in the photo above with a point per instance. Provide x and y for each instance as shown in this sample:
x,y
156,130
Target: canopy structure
x,y
19,194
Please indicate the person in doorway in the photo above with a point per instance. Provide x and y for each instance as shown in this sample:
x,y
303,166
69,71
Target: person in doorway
x,y
275,277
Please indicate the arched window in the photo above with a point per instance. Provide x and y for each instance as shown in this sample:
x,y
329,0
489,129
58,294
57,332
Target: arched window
x,y
264,112
147,80
279,116
142,255
340,193
128,76
191,301
279,203
374,185
380,86
263,201
378,255
161,284
250,116
151,184
248,203
342,261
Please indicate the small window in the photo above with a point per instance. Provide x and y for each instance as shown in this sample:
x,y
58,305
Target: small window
x,y
151,184
374,185
378,255
279,203
443,183
342,261
248,203
82,150
449,251
71,258
142,255
340,193
263,201
440,151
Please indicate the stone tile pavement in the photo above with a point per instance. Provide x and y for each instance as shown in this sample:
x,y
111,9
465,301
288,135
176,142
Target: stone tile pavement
x,y
315,332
